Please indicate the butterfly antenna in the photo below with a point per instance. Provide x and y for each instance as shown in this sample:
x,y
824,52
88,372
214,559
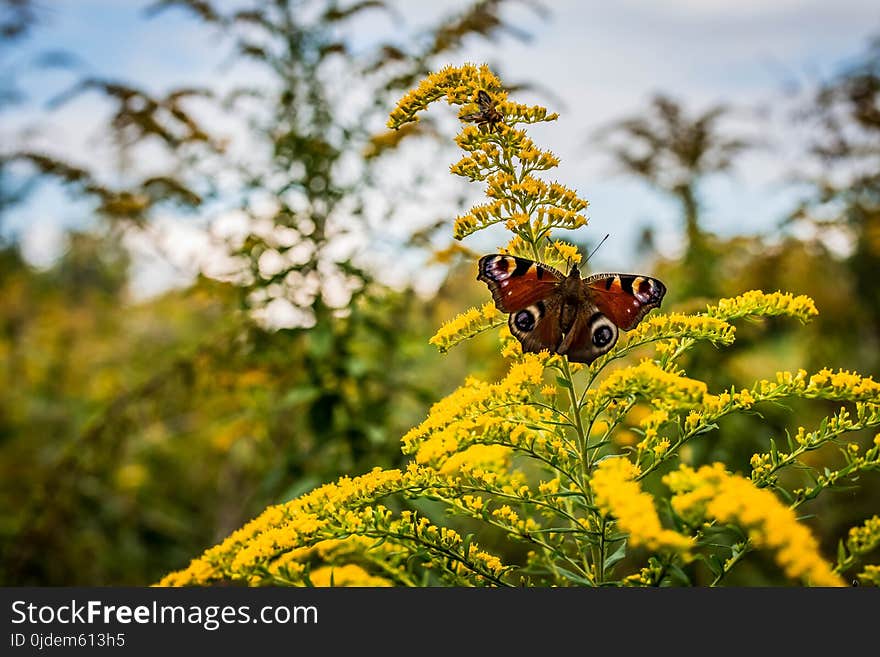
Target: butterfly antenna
x,y
593,252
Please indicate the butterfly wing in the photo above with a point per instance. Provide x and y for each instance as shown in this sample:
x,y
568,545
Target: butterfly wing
x,y
592,334
528,291
516,283
625,298
537,326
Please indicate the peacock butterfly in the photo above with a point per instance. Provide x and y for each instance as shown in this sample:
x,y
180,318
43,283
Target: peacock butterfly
x,y
575,317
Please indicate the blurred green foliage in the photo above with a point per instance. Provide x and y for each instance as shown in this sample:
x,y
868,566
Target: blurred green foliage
x,y
148,430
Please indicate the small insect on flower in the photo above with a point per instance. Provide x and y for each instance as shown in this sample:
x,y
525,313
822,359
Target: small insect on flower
x,y
487,115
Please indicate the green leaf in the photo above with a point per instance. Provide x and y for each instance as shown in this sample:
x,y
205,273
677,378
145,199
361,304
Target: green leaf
x,y
466,544
789,441
616,556
573,577
565,383
715,565
677,573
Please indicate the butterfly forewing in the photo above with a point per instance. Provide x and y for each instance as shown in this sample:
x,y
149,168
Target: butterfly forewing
x,y
517,283
625,298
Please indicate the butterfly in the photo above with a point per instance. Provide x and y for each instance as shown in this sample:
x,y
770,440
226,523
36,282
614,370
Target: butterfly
x,y
579,318
487,115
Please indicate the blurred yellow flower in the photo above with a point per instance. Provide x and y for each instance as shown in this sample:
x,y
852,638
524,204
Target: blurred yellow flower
x,y
712,493
618,493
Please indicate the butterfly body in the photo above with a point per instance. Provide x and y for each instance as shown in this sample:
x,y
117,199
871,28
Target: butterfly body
x,y
579,318
487,115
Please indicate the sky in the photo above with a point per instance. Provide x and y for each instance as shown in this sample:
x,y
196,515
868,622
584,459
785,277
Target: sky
x,y
594,61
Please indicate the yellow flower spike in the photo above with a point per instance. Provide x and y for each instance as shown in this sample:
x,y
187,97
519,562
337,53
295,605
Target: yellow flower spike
x,y
676,325
714,494
843,384
350,575
456,84
661,447
618,493
467,325
549,391
764,304
495,457
865,538
560,255
650,382
870,576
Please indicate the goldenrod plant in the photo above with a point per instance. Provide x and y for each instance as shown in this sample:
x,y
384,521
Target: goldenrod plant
x,y
588,466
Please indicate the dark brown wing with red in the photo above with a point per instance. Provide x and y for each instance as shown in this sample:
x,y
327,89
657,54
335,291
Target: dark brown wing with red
x,y
517,283
625,298
537,326
591,335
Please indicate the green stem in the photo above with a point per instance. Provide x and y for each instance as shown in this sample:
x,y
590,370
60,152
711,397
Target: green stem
x,y
576,413
600,571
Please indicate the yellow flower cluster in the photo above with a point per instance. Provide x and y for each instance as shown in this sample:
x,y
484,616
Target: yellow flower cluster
x,y
618,494
500,154
843,385
292,568
548,217
516,113
650,382
483,457
335,511
451,543
561,255
651,425
346,575
762,466
287,526
870,575
481,216
676,326
510,346
864,539
764,304
459,84
711,493
489,415
467,325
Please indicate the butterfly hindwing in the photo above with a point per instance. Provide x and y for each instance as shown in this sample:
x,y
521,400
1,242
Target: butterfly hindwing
x,y
591,335
537,326
625,298
517,283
